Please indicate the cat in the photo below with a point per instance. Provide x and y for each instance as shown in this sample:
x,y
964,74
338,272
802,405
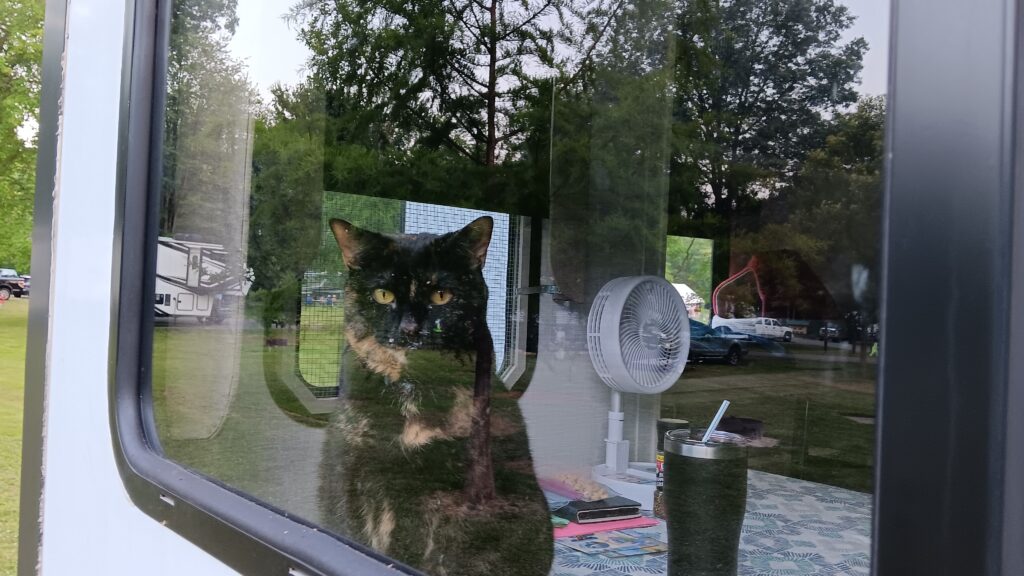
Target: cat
x,y
423,462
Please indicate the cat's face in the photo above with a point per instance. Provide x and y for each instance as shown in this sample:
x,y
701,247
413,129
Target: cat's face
x,y
415,291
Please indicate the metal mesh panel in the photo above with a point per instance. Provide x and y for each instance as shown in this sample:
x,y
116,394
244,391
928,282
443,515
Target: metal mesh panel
x,y
437,219
321,312
510,291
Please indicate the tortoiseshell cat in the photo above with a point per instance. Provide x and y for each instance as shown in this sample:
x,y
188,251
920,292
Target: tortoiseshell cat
x,y
408,457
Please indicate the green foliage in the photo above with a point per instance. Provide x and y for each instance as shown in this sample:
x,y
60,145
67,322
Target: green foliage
x,y
431,74
837,195
276,306
828,218
21,51
837,198
287,188
208,127
688,261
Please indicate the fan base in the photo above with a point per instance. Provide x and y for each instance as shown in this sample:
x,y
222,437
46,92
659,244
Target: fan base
x,y
637,483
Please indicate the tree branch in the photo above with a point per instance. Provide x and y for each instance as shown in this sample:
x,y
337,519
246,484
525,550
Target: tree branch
x,y
597,40
519,27
510,134
473,80
447,137
459,15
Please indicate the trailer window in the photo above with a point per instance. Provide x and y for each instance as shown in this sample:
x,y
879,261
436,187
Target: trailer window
x,y
600,220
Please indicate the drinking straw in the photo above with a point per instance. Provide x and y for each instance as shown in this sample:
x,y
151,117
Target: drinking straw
x,y
715,421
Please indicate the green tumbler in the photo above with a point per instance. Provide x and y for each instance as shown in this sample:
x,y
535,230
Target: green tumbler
x,y
705,499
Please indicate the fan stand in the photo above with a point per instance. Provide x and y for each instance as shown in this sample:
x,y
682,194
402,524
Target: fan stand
x,y
638,337
634,480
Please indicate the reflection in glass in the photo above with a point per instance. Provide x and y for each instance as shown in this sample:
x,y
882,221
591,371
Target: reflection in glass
x,y
413,222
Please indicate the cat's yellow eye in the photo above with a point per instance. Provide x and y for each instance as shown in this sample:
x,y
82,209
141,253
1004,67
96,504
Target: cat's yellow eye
x,y
382,296
441,297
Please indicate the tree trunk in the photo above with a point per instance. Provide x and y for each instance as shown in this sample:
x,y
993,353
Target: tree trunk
x,y
721,255
480,469
492,85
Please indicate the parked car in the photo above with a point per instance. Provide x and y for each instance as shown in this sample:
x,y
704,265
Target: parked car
x,y
836,332
706,344
758,326
28,284
10,284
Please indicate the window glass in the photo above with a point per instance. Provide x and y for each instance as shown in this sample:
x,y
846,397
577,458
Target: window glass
x,y
439,277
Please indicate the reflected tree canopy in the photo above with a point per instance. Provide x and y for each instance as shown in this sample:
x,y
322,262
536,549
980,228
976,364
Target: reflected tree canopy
x,y
742,114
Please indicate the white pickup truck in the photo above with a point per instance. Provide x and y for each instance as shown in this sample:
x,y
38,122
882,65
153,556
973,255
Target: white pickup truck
x,y
764,327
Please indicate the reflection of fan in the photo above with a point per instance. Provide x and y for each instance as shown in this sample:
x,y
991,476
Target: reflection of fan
x,y
638,334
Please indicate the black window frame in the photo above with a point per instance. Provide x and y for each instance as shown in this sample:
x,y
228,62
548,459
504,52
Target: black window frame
x,y
944,502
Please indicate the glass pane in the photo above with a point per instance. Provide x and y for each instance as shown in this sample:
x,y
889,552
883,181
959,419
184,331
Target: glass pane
x,y
439,277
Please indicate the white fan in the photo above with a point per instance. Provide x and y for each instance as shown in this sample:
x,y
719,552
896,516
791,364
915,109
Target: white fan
x,y
638,334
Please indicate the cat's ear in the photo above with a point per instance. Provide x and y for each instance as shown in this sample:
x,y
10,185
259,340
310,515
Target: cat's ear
x,y
476,236
351,240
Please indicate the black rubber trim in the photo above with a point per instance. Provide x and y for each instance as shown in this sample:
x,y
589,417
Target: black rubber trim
x,y
248,536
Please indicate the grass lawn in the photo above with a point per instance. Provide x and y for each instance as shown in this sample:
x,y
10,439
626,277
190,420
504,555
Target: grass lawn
x,y
820,411
320,340
221,408
218,413
13,324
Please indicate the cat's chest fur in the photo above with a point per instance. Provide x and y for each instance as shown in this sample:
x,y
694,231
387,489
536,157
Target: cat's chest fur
x,y
410,414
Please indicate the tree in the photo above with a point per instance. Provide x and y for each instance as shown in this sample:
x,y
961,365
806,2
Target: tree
x,y
825,223
206,124
837,198
21,48
287,187
688,261
754,81
434,73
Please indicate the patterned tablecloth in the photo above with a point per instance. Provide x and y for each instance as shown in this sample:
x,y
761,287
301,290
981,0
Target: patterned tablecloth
x,y
791,528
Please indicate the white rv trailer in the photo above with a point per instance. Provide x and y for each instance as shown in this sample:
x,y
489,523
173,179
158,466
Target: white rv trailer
x,y
197,279
100,495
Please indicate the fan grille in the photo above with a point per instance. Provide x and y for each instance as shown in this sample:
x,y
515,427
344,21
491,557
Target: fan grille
x,y
638,334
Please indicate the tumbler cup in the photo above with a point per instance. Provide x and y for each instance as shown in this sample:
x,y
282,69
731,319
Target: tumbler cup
x,y
705,491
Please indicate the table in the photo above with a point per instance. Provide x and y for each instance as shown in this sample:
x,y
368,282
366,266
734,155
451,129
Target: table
x,y
791,528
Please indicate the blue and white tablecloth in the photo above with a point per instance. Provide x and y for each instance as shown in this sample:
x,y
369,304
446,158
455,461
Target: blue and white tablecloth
x,y
791,528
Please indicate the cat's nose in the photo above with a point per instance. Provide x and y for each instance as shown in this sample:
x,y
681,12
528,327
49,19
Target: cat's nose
x,y
409,325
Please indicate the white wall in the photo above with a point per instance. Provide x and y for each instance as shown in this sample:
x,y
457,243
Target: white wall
x,y
89,524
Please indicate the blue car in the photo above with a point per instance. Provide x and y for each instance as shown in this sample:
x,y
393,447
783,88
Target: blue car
x,y
706,344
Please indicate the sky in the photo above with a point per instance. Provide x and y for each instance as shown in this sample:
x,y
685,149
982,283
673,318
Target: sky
x,y
872,24
266,41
